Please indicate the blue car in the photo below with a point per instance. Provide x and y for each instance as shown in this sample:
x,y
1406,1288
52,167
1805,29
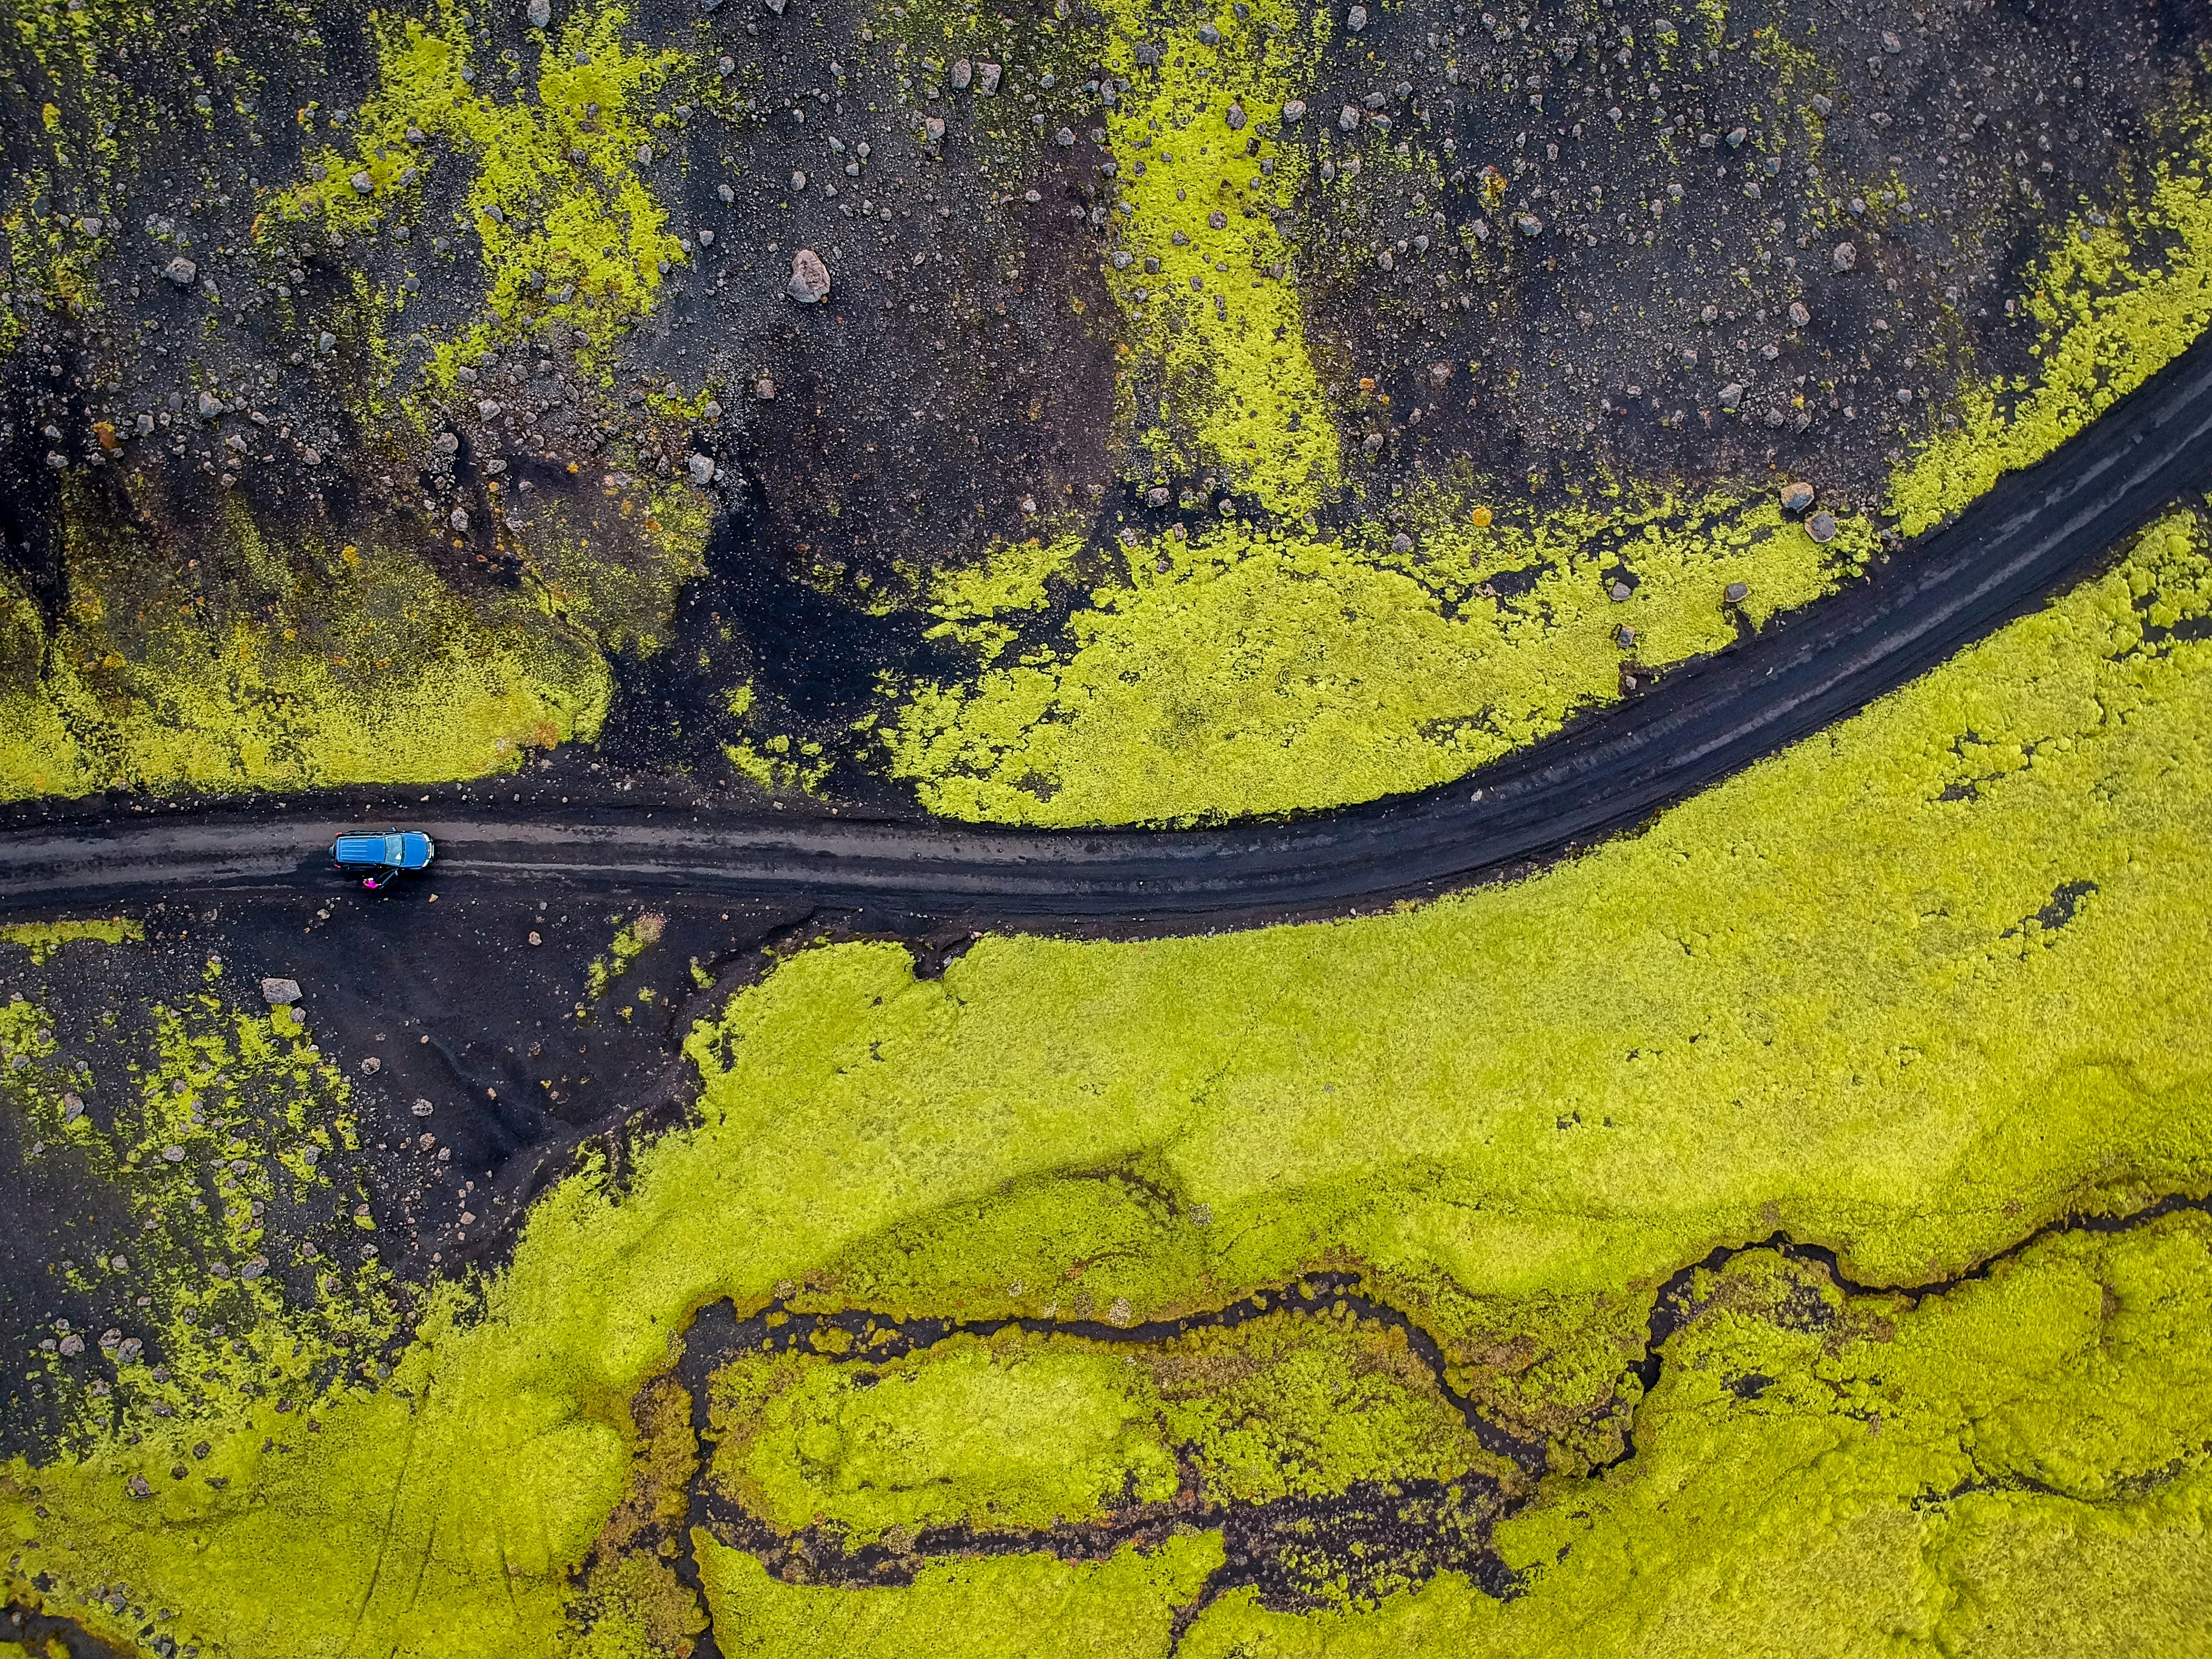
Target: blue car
x,y
377,859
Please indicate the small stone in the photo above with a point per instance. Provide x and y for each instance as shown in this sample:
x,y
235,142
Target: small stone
x,y
1797,496
210,406
487,410
137,1487
458,518
1157,495
1624,637
1846,256
280,992
422,1107
1401,543
540,13
128,1350
1235,117
144,425
963,74
1891,43
446,443
703,468
1798,314
363,183
1348,118
72,1108
1294,111
1736,592
72,1346
810,277
1731,395
1216,219
1821,527
1064,137
254,1267
1529,225
1620,591
798,180
1208,35
1823,106
1122,258
1736,135
326,342
534,938
706,239
1384,260
1356,19
181,272
764,389
371,1066
987,79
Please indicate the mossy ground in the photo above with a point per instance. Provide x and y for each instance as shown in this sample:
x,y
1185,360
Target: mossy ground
x,y
1909,991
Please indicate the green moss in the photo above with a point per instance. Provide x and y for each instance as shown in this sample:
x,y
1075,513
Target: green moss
x,y
1255,670
43,939
631,940
1025,1604
1215,374
1000,1435
2116,303
568,227
330,666
2018,1466
1834,997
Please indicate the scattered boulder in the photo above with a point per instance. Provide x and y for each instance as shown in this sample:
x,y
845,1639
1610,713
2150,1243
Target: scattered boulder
x,y
280,992
1736,592
703,468
540,13
810,277
1821,527
964,75
181,272
1235,117
1356,19
1294,111
1845,257
208,406
1797,496
987,79
1798,314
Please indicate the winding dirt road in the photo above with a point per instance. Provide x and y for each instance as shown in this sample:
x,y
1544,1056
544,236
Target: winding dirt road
x,y
2033,534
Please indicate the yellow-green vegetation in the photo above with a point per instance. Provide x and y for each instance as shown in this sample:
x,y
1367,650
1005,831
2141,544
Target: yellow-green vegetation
x,y
1003,1435
1216,375
2116,302
1015,1432
630,940
2015,1467
222,1114
1909,991
320,664
1263,670
1258,669
1022,1607
43,939
567,224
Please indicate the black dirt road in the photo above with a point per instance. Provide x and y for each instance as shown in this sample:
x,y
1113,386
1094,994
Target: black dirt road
x,y
2035,533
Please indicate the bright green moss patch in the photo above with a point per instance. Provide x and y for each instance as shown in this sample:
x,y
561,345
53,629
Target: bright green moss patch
x,y
43,939
1216,376
2116,303
2017,1467
359,666
557,199
1837,997
1016,1432
1022,1607
1261,670
1002,1435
